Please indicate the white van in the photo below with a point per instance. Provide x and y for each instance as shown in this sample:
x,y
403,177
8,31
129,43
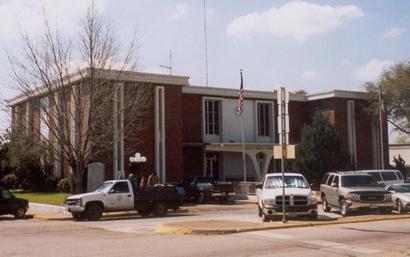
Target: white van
x,y
386,177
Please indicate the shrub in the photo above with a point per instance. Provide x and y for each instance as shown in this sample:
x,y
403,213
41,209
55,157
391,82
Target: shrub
x,y
65,185
50,184
9,180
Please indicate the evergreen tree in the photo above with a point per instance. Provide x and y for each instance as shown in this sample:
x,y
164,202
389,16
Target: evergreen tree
x,y
319,150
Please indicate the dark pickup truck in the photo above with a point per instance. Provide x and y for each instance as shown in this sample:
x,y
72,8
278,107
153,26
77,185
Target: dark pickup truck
x,y
9,204
203,188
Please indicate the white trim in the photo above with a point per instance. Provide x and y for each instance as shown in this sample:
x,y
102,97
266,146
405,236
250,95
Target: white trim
x,y
122,165
351,129
106,74
160,133
268,95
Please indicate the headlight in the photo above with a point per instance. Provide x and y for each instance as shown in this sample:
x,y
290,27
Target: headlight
x,y
79,202
353,196
268,202
387,197
312,199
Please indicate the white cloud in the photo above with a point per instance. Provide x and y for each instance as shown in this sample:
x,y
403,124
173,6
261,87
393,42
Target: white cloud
x,y
395,32
372,69
181,10
297,20
28,16
309,74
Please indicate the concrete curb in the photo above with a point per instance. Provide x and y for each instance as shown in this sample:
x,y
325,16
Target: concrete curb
x,y
168,228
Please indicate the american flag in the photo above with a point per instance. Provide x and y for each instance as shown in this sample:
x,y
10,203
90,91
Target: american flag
x,y
239,108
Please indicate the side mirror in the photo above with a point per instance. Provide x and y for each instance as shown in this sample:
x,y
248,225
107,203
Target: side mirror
x,y
333,185
259,186
111,191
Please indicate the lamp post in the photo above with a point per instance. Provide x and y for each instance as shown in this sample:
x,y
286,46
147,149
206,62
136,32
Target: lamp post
x,y
135,164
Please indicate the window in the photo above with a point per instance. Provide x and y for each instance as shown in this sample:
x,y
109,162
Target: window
x,y
263,119
358,181
6,194
399,175
329,181
325,178
389,175
336,181
376,175
120,187
212,117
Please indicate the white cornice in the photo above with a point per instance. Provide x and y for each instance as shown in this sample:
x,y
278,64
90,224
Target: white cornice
x,y
131,76
266,95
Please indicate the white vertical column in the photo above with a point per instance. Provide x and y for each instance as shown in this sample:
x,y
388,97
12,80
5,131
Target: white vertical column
x,y
351,130
160,133
115,133
121,161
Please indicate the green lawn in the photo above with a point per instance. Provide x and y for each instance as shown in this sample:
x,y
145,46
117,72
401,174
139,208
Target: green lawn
x,y
39,197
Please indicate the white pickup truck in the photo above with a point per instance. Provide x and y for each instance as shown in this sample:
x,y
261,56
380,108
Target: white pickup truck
x,y
118,195
299,198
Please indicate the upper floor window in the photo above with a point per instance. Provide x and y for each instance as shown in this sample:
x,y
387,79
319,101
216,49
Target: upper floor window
x,y
264,110
212,117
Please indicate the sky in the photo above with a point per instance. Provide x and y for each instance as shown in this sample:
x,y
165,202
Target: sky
x,y
314,46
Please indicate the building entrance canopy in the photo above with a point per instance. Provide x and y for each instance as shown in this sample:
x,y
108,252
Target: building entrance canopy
x,y
261,154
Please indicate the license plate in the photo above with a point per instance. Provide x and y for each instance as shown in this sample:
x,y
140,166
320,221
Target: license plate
x,y
373,205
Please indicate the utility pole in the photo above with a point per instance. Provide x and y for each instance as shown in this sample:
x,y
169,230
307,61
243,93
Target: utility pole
x,y
283,122
206,46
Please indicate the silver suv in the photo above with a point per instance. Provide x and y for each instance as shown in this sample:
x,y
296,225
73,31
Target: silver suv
x,y
349,191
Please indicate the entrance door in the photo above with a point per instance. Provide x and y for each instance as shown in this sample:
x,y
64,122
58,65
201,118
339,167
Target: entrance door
x,y
212,165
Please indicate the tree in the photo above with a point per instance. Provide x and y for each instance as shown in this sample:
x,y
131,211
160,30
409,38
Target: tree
x,y
395,86
400,165
319,150
78,111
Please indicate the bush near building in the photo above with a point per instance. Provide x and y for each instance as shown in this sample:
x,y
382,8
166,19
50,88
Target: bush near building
x,y
319,150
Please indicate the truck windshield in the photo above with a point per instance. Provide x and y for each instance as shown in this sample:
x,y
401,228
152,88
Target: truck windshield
x,y
290,182
104,186
358,181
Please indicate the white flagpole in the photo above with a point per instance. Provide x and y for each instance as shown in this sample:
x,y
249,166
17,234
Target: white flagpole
x,y
243,150
381,129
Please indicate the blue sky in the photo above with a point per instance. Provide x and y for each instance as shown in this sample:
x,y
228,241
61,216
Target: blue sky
x,y
311,45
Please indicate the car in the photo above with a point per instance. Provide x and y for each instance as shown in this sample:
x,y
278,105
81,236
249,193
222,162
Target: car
x,y
299,198
351,191
400,196
386,177
9,204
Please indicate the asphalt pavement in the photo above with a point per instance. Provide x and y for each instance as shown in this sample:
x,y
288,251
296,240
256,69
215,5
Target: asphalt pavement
x,y
134,236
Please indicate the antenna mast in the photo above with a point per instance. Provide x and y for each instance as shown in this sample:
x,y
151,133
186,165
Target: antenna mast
x,y
170,63
206,46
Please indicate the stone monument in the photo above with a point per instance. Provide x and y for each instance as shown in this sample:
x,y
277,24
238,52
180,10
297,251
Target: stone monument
x,y
95,176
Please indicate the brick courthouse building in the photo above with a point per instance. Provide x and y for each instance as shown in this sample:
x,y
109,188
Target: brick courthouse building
x,y
193,130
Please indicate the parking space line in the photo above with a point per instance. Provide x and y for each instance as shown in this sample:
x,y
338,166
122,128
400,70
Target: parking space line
x,y
268,234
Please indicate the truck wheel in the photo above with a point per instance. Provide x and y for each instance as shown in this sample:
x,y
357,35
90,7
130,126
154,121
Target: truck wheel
x,y
344,209
314,216
78,216
145,212
201,197
20,213
159,209
400,208
325,205
265,218
93,211
259,211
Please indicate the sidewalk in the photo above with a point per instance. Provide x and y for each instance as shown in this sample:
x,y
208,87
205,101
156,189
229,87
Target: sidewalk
x,y
210,227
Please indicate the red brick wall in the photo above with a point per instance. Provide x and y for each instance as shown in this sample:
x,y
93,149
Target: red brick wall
x,y
174,132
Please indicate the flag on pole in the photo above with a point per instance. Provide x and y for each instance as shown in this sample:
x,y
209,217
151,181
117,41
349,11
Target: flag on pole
x,y
239,107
